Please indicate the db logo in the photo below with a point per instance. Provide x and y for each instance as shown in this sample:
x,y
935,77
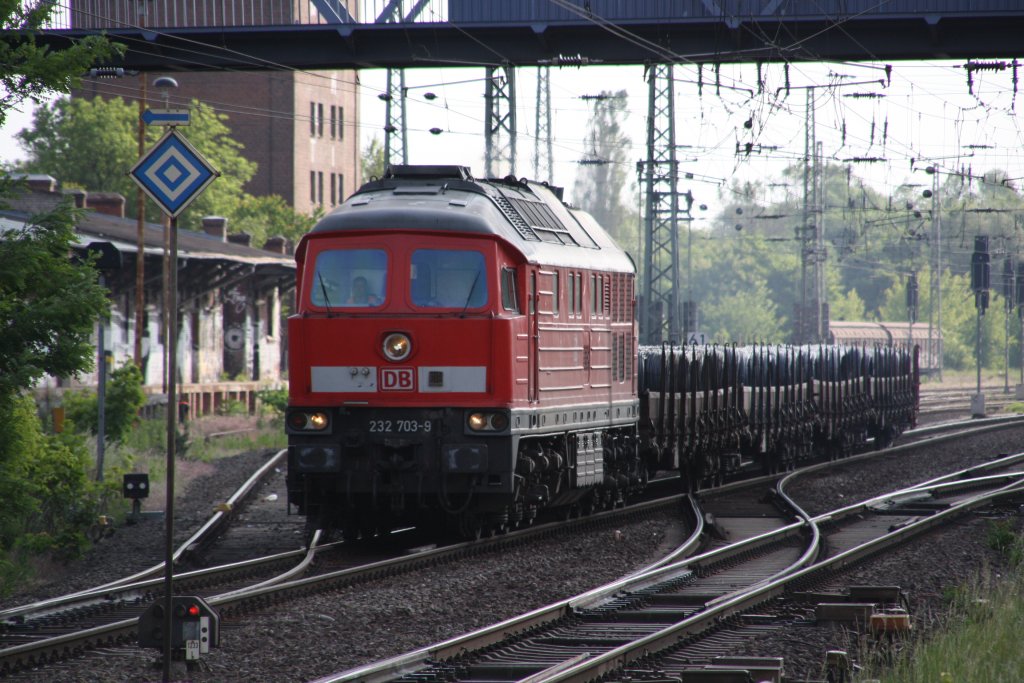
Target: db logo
x,y
397,379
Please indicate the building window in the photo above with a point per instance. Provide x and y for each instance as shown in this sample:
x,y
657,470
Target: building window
x,y
312,187
334,190
334,121
341,187
320,187
320,119
312,119
341,123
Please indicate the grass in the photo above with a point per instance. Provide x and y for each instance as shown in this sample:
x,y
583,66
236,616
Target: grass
x,y
206,449
979,639
145,448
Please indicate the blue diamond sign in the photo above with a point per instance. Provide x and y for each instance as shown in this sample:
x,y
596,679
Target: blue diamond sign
x,y
173,173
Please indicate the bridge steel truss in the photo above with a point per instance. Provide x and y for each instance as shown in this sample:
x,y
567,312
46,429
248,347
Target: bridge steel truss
x,y
521,34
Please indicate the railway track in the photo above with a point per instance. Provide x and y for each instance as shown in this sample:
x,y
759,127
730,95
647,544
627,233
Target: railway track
x,y
333,569
958,401
675,619
44,633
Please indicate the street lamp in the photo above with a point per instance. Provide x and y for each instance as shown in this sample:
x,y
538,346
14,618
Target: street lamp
x,y
165,84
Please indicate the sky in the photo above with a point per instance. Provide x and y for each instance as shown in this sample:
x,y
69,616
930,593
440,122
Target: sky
x,y
902,120
886,124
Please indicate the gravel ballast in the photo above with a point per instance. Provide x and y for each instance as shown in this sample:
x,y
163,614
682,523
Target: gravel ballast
x,y
308,638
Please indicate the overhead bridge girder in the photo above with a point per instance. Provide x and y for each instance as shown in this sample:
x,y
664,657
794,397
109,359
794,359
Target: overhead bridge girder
x,y
842,35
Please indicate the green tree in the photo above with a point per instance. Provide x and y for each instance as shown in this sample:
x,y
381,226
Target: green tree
x,y
49,305
745,317
85,143
958,320
738,277
604,175
29,70
373,160
124,399
48,498
848,306
209,133
265,217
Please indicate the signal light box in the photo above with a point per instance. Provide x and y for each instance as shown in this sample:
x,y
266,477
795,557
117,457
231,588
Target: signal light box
x,y
195,626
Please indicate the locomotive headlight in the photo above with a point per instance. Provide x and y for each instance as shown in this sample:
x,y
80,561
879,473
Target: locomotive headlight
x,y
312,421
487,422
397,346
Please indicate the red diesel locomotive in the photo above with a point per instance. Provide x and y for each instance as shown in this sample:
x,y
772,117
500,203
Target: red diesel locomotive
x,y
462,353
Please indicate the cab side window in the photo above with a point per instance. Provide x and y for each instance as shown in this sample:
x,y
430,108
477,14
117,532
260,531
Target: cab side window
x,y
556,294
509,298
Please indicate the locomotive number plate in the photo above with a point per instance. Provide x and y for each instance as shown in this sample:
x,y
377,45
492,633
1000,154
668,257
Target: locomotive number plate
x,y
400,426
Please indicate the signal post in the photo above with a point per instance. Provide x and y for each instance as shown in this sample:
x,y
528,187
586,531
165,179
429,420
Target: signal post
x,y
173,173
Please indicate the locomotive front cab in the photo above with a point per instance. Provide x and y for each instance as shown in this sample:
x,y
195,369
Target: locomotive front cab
x,y
401,378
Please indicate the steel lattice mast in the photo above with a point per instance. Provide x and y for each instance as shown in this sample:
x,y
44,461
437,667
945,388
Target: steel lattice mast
x,y
395,130
660,319
543,165
395,127
500,125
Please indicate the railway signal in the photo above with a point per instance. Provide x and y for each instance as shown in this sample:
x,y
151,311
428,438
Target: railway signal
x,y
173,173
980,273
980,283
912,295
195,628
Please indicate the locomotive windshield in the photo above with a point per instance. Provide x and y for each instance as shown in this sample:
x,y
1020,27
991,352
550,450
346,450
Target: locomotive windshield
x,y
349,278
447,278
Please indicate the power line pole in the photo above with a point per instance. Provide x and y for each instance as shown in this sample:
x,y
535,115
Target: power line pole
x,y
812,324
660,318
543,164
500,126
820,252
935,279
395,128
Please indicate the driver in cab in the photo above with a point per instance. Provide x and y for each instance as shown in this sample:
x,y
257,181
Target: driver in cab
x,y
361,295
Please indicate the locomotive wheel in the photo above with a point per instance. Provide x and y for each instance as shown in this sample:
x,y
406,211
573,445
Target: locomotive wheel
x,y
470,527
588,506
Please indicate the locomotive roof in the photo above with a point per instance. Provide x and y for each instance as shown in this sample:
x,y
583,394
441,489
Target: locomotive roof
x,y
527,215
